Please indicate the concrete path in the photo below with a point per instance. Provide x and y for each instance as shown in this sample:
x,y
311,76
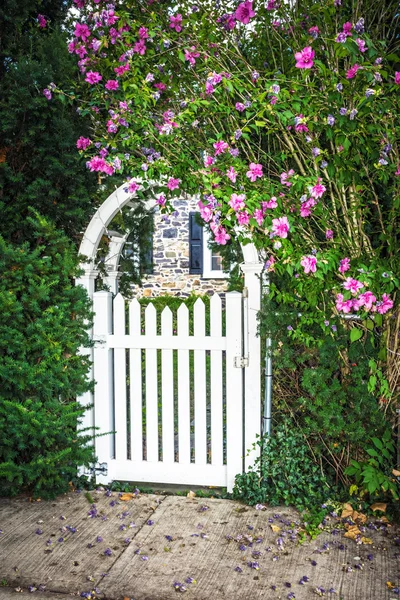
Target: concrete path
x,y
153,547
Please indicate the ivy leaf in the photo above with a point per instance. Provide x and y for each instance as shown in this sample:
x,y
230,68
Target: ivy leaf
x,y
355,334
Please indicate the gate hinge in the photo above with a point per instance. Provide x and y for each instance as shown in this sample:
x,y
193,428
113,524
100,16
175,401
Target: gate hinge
x,y
97,469
241,362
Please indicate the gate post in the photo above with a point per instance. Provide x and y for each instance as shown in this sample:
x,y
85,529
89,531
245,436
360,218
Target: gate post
x,y
103,375
234,388
252,372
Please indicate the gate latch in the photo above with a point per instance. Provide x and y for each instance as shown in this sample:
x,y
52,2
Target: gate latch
x,y
241,362
98,469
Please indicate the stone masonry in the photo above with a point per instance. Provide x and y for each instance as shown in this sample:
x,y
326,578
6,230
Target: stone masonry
x,y
171,257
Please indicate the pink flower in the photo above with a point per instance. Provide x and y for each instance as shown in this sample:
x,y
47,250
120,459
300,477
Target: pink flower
x,y
161,200
191,55
173,184
304,59
237,201
366,300
206,212
343,306
318,190
347,27
143,33
397,77
231,174
240,107
209,88
47,94
309,263
82,143
285,176
220,147
314,31
208,161
140,47
272,203
97,163
243,218
221,237
305,209
280,227
82,31
352,71
112,84
259,216
398,170
93,77
344,265
361,45
353,285
255,170
329,234
384,305
244,12
176,23
133,186
41,21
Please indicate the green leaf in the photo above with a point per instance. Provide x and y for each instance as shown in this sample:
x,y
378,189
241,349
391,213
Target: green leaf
x,y
355,334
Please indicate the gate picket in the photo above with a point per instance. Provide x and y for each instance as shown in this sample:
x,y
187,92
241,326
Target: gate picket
x,y
183,389
200,408
216,384
135,387
151,387
167,388
120,381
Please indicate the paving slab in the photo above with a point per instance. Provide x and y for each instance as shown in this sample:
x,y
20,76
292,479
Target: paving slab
x,y
237,552
57,544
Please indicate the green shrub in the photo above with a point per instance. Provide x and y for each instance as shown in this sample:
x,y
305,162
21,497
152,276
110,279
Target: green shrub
x,y
43,319
284,473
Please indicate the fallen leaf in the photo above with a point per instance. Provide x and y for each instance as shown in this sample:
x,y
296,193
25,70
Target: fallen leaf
x,y
352,532
390,585
191,495
396,473
126,497
379,506
366,540
356,516
347,510
275,528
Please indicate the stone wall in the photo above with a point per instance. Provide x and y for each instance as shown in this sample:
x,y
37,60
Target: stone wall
x,y
171,256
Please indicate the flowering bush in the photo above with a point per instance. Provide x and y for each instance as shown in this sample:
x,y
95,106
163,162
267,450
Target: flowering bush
x,y
281,118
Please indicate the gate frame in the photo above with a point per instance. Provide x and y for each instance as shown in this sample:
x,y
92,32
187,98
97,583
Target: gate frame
x,y
251,267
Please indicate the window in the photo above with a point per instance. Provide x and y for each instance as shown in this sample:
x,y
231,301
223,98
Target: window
x,y
202,259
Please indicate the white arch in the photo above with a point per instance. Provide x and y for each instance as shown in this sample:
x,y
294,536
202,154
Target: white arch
x,y
98,226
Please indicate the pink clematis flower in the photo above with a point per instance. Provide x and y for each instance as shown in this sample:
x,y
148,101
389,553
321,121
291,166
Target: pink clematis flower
x,y
221,237
93,77
237,201
112,84
309,263
206,212
318,190
397,77
82,143
173,184
329,234
280,227
41,21
304,59
82,31
161,200
133,186
220,147
259,216
272,203
244,12
285,176
231,174
344,306
384,305
351,73
176,22
344,265
366,300
353,285
243,217
255,171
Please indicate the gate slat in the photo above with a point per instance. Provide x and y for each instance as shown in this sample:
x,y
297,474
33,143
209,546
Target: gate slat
x,y
135,373
200,409
120,382
167,387
183,389
151,387
216,384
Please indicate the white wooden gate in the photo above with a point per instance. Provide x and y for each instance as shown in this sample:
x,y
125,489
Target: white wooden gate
x,y
174,394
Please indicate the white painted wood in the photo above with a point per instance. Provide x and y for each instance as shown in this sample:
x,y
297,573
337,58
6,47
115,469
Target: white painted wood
x,y
135,376
120,382
234,388
151,387
200,414
252,373
173,342
207,475
167,391
216,383
102,367
183,388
